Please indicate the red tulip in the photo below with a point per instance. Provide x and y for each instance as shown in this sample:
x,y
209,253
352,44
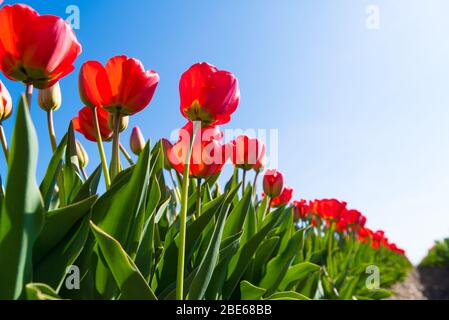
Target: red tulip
x,y
208,153
84,124
123,86
283,198
5,102
248,153
273,183
329,209
208,95
301,209
35,49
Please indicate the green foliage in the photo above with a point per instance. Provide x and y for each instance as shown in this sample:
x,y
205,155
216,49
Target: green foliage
x,y
438,255
125,240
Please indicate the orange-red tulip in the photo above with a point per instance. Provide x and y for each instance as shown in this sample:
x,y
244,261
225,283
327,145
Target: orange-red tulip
x,y
283,198
84,124
5,102
123,86
208,95
301,209
208,157
248,153
35,49
273,183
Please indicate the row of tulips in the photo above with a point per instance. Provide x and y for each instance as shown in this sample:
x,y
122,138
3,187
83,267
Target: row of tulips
x,y
146,237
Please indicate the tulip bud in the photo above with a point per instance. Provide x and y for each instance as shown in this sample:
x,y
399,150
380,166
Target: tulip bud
x,y
137,141
273,183
124,121
166,145
83,157
5,103
50,99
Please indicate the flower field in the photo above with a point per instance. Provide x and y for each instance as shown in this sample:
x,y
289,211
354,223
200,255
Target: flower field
x,y
166,224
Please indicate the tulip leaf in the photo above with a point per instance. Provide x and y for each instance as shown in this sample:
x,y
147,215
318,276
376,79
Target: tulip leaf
x,y
287,295
54,168
90,186
58,223
40,291
234,223
248,291
22,211
242,259
220,271
52,270
207,265
297,273
128,278
279,265
71,171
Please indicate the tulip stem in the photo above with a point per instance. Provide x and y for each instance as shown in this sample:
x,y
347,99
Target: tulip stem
x,y
115,162
255,183
198,198
4,142
104,162
51,130
175,185
243,182
183,218
267,210
83,171
126,154
29,94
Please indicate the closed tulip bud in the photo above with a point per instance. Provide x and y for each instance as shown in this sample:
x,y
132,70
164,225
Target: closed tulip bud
x,y
50,99
273,183
137,141
166,145
124,121
83,157
5,103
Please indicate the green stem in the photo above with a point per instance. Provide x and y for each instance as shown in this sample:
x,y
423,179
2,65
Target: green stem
x,y
183,219
29,94
51,130
198,198
4,142
115,161
126,154
243,182
255,183
175,185
104,162
83,171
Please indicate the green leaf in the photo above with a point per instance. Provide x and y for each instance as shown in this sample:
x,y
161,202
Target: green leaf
x,y
240,262
296,273
52,270
234,223
90,186
207,265
278,266
251,292
54,168
287,295
22,212
71,171
58,223
128,278
40,291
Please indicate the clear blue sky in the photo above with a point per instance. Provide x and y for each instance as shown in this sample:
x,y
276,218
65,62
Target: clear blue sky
x,y
363,115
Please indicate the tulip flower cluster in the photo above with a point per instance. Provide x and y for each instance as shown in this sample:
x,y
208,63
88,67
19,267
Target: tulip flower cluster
x,y
144,237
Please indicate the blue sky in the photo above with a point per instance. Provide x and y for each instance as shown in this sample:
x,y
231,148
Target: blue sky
x,y
363,115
